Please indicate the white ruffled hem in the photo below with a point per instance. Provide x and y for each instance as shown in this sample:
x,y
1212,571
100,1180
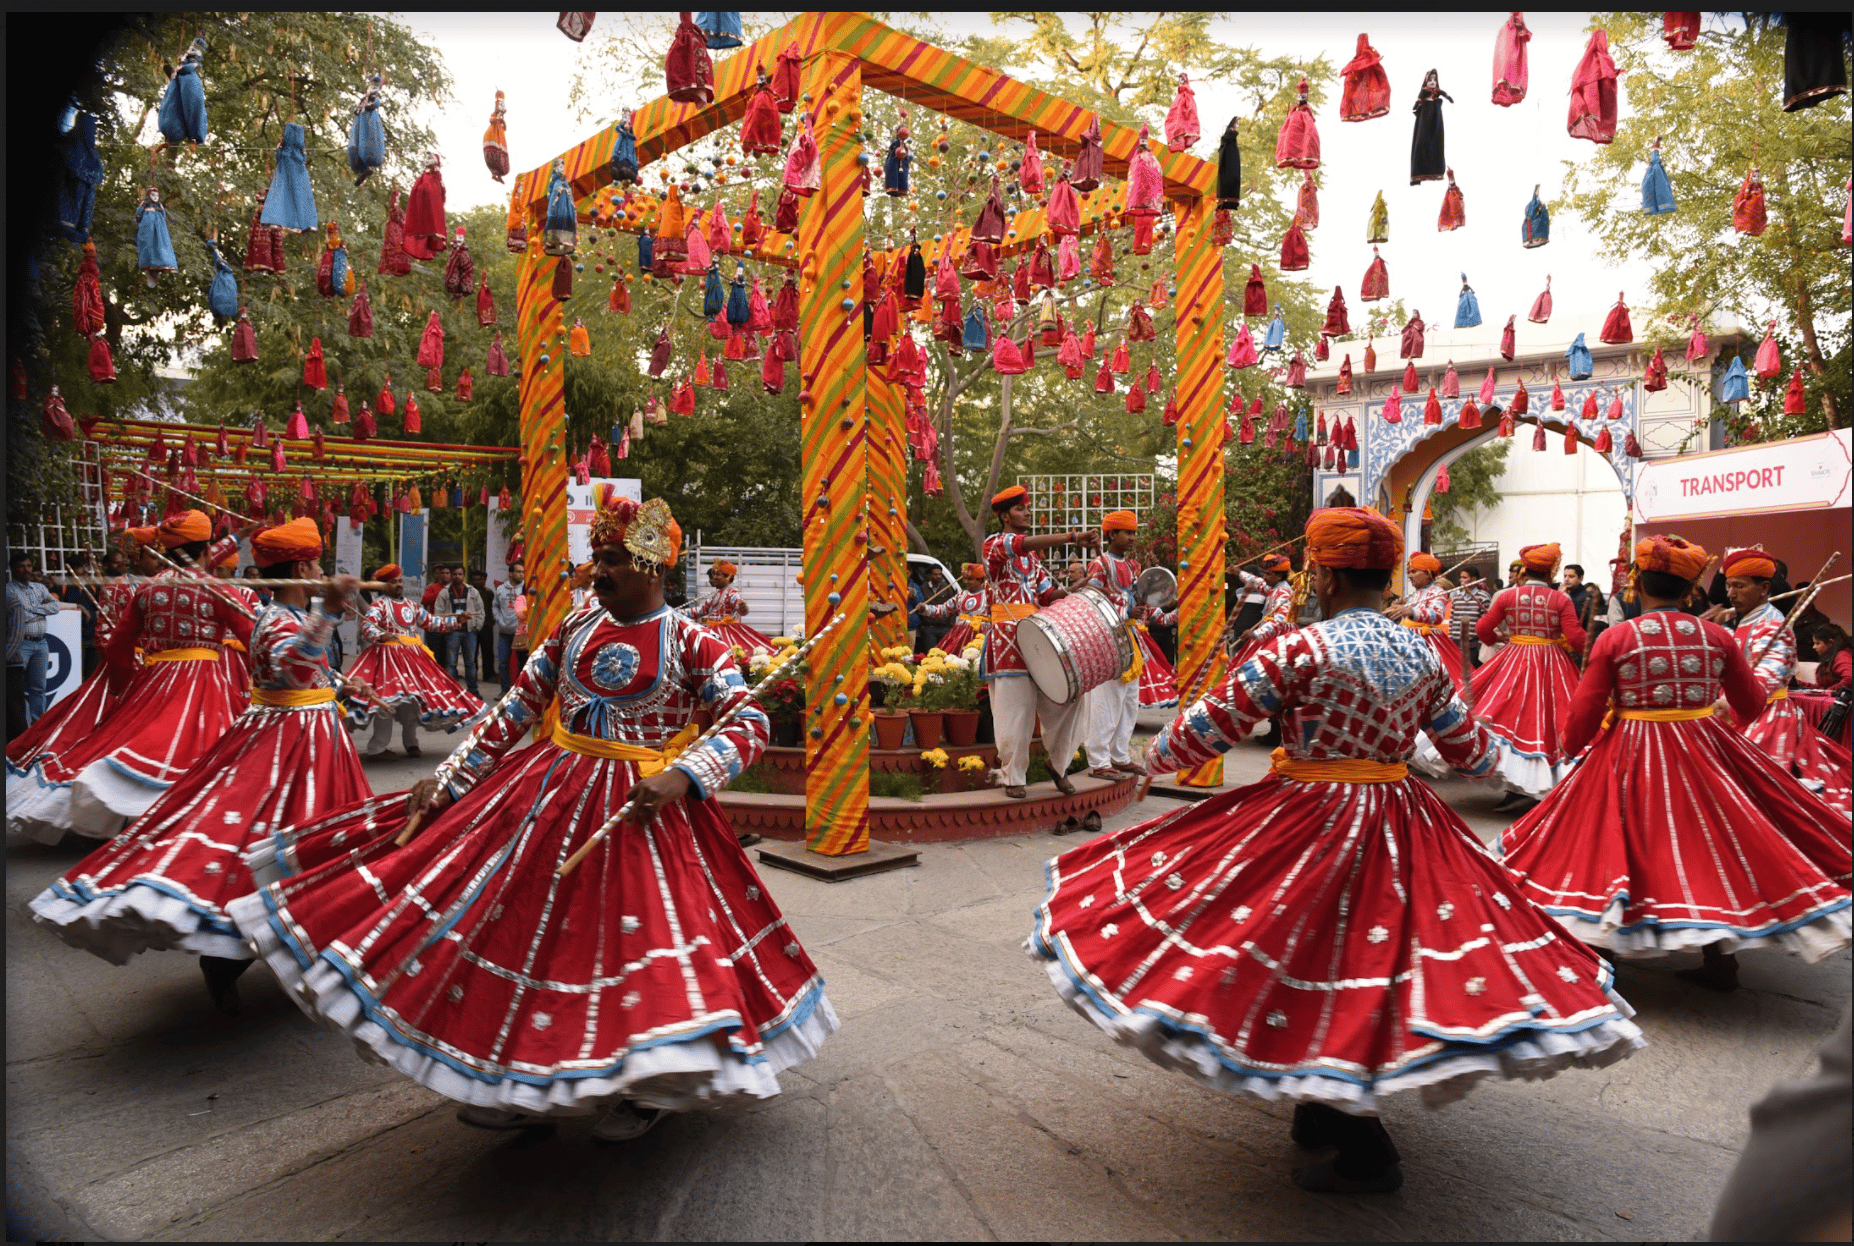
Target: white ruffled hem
x,y
1529,774
138,919
702,1072
1536,1055
104,800
37,809
1820,936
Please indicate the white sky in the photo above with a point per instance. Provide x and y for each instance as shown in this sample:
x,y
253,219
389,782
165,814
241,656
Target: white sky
x,y
1498,153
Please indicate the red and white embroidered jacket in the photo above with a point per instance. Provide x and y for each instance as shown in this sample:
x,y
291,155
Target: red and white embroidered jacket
x,y
724,605
1532,609
177,610
1116,576
388,617
1662,660
289,648
975,607
1277,606
1016,577
1778,664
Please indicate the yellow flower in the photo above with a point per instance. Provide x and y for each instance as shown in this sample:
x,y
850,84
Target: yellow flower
x,y
935,758
783,641
971,761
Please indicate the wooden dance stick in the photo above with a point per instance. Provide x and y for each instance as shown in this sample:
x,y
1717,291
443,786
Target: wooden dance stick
x,y
720,724
454,759
1824,584
1815,586
375,586
1271,549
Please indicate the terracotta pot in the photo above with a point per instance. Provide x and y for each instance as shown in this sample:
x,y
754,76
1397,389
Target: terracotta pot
x,y
890,727
929,727
962,727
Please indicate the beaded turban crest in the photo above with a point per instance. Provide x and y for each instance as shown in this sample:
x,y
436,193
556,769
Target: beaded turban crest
x,y
647,529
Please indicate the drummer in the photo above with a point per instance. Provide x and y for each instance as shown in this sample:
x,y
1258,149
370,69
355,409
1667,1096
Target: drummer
x,y
1019,584
1113,707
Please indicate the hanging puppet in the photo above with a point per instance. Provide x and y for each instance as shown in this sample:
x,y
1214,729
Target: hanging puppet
x,y
1657,191
154,248
1427,161
496,140
1367,90
1509,64
1467,307
1535,231
367,135
425,232
1454,212
1298,145
182,114
290,203
1593,93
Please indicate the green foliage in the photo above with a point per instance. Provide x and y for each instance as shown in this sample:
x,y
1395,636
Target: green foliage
x,y
1473,481
1718,111
754,779
896,783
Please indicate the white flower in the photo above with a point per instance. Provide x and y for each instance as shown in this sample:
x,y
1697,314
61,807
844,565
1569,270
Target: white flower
x,y
959,664
972,654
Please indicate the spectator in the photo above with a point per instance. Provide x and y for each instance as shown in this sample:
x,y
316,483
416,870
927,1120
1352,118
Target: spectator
x,y
1834,663
1469,604
74,593
456,597
486,629
440,580
263,594
28,604
1587,600
1077,573
673,594
507,623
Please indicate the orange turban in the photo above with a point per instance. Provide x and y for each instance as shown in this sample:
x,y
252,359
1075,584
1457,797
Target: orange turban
x,y
296,541
1672,555
724,567
1007,498
1540,557
675,539
390,571
184,529
1422,560
144,536
975,570
1754,563
1119,521
1354,537
230,560
1277,562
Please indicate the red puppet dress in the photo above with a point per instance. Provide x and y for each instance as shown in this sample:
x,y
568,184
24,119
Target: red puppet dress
x,y
1524,691
1674,831
1333,933
658,971
171,711
166,882
1782,731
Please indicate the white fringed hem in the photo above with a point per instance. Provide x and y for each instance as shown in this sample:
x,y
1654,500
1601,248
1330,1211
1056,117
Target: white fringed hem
x,y
137,919
1531,1055
1819,935
1529,774
36,808
105,798
701,1071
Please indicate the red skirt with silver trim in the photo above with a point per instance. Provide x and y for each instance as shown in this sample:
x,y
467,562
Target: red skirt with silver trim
x,y
1450,653
741,637
64,724
1523,694
1784,734
659,971
959,638
1158,687
1332,942
166,881
1671,835
406,674
170,715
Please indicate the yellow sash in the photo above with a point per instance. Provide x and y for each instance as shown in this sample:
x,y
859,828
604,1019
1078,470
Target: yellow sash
x,y
411,640
1777,694
1535,640
183,655
1011,611
292,696
718,620
1427,629
976,622
1667,716
649,761
1139,653
1336,770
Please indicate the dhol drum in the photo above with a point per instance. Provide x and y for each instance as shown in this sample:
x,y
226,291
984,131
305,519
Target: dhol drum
x,y
1077,644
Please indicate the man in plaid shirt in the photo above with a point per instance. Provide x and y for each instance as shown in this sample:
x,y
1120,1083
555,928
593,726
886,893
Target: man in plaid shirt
x,y
1469,605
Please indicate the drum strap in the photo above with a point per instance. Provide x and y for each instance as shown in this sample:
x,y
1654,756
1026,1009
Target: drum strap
x,y
1011,611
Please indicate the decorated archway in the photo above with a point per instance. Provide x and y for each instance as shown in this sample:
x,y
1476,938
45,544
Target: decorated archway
x,y
853,438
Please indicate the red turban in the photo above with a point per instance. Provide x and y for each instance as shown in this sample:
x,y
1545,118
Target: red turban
x,y
296,541
184,529
1007,498
724,567
976,570
1422,560
1354,537
1754,563
1277,562
1672,555
390,571
1540,557
1119,521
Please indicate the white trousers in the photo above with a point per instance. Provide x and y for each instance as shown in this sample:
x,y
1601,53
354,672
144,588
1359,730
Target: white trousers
x,y
1015,706
1113,711
406,714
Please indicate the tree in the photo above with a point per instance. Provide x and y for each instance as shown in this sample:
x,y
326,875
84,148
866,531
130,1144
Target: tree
x,y
1717,112
1473,487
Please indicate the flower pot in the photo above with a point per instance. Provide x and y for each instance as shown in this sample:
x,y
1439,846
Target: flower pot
x,y
929,727
890,727
786,733
703,719
962,727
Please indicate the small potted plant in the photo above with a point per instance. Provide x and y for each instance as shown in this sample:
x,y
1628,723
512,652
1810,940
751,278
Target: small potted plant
x,y
958,694
781,679
972,772
895,676
926,700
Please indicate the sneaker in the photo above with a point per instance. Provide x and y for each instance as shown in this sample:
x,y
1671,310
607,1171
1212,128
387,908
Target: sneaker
x,y
624,1121
498,1118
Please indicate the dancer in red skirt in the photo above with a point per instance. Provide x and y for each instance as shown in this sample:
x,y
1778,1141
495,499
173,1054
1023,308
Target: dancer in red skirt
x,y
1523,692
658,975
62,726
238,660
1780,729
1277,605
408,684
166,881
721,611
1674,831
1333,933
1425,609
971,607
170,712
1158,682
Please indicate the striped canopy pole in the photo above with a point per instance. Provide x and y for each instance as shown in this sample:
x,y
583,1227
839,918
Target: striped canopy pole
x,y
834,443
1200,456
541,336
887,502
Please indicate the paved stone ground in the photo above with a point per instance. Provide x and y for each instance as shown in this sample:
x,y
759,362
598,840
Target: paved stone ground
x,y
961,1100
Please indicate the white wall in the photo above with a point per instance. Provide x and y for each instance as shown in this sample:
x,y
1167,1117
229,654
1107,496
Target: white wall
x,y
1549,495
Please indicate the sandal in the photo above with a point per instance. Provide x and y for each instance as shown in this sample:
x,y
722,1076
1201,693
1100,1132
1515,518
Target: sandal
x,y
1103,772
1065,785
1016,793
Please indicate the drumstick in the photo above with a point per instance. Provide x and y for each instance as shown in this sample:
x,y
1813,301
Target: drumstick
x,y
1815,586
1806,588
